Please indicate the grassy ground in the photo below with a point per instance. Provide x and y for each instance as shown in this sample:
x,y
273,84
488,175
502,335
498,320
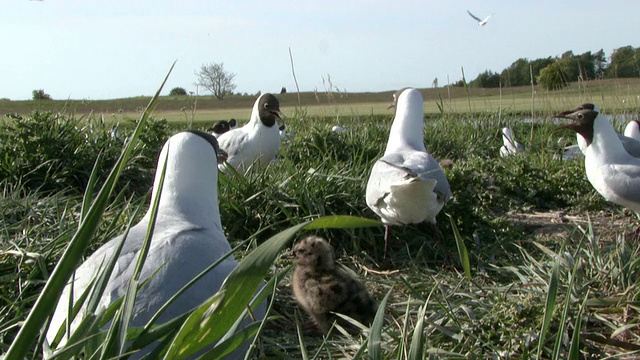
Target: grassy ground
x,y
554,268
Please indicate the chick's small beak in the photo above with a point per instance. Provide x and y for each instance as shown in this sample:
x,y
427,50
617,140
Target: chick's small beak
x,y
391,106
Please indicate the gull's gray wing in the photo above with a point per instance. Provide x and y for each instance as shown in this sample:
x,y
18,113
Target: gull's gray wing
x,y
623,180
631,145
233,141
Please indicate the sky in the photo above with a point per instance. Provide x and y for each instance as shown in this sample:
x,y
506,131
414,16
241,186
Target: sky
x,y
106,49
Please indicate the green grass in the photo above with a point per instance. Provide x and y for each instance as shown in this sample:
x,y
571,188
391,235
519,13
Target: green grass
x,y
554,271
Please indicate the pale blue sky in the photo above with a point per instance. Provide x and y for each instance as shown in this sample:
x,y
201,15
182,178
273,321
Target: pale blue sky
x,y
99,49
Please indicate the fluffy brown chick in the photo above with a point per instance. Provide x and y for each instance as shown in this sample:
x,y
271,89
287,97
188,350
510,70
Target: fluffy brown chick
x,y
322,287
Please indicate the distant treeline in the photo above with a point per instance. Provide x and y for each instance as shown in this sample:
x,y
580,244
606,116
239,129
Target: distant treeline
x,y
556,72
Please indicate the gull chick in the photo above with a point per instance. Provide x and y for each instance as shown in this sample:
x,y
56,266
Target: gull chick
x,y
323,287
509,144
610,169
407,185
187,238
256,142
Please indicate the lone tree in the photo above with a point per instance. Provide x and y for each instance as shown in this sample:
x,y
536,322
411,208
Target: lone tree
x,y
178,91
40,95
214,78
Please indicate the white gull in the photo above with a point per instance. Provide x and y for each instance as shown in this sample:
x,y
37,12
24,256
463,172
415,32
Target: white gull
x,y
509,144
258,141
610,169
187,238
481,22
407,185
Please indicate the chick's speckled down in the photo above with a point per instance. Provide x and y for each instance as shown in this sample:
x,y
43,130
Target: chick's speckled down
x,y
322,287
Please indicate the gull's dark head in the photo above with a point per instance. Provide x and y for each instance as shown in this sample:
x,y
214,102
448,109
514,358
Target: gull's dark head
x,y
220,127
585,106
582,120
269,110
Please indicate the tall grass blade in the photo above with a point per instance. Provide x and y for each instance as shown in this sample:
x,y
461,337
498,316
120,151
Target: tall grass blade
x,y
417,340
462,249
375,335
574,348
88,193
341,222
212,320
550,305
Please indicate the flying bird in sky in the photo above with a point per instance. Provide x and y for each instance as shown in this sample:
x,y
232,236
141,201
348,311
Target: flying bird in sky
x,y
481,22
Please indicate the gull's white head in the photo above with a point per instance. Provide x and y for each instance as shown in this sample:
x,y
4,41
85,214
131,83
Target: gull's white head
x,y
408,123
191,176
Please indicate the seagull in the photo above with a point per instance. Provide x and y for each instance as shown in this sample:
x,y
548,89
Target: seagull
x,y
610,169
187,238
337,128
323,287
256,142
407,185
510,145
630,145
481,22
219,127
632,130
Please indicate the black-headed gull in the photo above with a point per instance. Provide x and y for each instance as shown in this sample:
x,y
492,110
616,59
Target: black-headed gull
x,y
187,238
630,145
323,287
509,144
610,169
407,185
481,22
219,127
258,141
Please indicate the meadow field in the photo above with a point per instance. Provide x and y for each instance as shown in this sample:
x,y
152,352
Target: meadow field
x,y
530,263
613,95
